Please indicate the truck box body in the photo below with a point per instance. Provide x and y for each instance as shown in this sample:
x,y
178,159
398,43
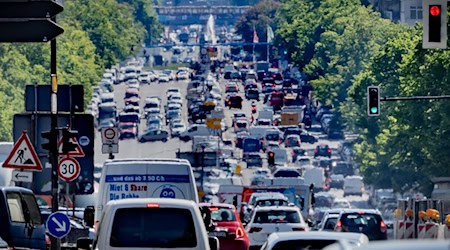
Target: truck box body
x,y
289,118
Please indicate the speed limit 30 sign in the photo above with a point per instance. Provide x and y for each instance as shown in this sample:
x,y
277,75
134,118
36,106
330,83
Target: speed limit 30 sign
x,y
68,169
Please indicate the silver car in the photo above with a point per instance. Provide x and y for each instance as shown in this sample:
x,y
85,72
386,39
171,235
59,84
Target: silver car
x,y
154,135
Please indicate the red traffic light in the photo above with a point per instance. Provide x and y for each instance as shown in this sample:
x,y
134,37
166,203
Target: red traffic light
x,y
435,10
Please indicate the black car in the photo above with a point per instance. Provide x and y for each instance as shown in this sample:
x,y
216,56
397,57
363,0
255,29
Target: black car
x,y
322,150
297,151
307,137
343,168
366,221
252,94
234,101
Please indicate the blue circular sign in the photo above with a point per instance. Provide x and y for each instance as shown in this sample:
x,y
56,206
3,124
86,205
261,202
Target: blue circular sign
x,y
58,225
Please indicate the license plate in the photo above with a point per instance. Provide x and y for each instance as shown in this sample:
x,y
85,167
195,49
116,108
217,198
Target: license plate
x,y
218,234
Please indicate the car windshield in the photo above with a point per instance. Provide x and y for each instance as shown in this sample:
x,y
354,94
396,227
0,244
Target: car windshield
x,y
154,228
277,216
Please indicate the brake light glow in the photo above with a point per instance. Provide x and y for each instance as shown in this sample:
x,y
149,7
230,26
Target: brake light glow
x,y
240,233
383,227
339,226
152,205
361,212
255,229
293,153
213,208
315,150
329,150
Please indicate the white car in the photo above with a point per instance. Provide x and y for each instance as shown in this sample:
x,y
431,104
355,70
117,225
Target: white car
x,y
341,203
175,99
267,220
176,128
172,91
182,75
164,78
312,240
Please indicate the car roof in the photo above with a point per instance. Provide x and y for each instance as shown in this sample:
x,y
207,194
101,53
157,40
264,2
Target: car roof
x,y
222,205
316,235
277,208
359,210
410,244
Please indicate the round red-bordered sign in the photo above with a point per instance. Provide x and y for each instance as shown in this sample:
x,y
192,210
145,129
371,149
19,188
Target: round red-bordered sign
x,y
68,169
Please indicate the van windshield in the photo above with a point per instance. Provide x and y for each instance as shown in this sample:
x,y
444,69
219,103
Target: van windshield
x,y
159,228
19,209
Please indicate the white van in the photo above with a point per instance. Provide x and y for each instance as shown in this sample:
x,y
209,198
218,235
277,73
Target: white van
x,y
281,156
353,185
152,224
314,176
145,178
195,130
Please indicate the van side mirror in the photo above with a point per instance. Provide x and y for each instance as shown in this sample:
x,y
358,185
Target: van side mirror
x,y
214,243
88,216
84,243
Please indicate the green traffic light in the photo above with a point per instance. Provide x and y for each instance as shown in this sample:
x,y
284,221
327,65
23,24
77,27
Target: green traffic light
x,y
373,110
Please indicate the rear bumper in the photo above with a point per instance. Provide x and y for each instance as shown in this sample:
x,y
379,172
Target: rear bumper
x,y
236,244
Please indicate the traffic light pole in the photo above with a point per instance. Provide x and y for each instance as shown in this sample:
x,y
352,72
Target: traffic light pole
x,y
414,98
55,243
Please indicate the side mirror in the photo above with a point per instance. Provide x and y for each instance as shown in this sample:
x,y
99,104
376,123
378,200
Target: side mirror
x,y
88,216
310,223
84,243
214,243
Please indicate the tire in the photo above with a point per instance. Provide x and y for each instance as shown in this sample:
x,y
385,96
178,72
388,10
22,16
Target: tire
x,y
164,140
142,140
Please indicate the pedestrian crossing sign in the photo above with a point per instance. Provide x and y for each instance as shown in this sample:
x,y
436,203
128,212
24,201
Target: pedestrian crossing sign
x,y
23,155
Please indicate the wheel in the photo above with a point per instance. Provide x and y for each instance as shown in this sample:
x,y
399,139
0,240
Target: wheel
x,y
164,140
141,140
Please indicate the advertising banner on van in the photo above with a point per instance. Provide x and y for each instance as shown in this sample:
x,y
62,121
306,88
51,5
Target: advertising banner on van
x,y
144,185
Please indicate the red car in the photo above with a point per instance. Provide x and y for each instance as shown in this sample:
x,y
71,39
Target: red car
x,y
128,130
229,228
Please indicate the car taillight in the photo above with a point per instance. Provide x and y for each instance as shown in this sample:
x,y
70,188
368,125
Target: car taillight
x,y
274,85
298,229
229,102
236,142
383,227
315,150
152,205
287,142
339,226
293,153
329,150
240,233
255,229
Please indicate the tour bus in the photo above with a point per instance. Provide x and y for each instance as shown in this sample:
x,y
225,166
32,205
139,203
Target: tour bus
x,y
145,178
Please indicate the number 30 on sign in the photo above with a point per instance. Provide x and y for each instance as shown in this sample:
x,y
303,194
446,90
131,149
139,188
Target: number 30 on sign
x,y
68,169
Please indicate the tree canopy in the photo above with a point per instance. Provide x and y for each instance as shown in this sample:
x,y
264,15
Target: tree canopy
x,y
343,47
97,35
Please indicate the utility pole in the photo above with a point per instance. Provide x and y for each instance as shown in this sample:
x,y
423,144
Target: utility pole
x,y
53,159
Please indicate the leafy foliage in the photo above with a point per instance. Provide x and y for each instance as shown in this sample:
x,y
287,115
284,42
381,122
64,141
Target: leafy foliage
x,y
98,34
343,47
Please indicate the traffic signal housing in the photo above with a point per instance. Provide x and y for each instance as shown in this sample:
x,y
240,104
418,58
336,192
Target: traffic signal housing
x,y
271,158
67,144
52,141
373,100
434,24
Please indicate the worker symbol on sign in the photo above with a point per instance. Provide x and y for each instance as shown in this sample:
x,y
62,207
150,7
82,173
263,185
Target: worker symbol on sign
x,y
21,158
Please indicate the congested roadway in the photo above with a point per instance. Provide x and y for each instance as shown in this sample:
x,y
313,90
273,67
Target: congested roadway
x,y
131,148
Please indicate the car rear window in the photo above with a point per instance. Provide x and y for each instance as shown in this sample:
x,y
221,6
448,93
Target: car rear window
x,y
303,244
354,221
265,217
267,203
272,137
144,227
222,214
241,124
